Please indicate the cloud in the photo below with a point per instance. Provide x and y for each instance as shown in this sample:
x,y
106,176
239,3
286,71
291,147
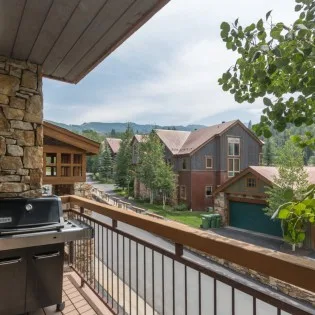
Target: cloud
x,y
167,72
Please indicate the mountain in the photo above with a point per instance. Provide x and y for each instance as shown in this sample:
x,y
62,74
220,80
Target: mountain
x,y
121,127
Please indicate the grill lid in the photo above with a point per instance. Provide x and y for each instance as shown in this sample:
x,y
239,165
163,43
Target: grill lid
x,y
29,213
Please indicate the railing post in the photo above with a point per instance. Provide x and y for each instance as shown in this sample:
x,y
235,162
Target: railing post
x,y
114,224
179,249
81,210
71,252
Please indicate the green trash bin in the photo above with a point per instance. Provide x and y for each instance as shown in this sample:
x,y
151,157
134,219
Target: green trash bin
x,y
218,220
205,221
213,221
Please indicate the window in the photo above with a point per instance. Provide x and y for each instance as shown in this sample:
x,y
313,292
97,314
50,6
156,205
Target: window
x,y
182,192
184,164
209,162
208,191
51,164
233,167
234,146
251,182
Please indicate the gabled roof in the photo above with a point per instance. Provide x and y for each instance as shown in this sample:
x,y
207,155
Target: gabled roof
x,y
187,142
265,173
70,37
173,139
114,144
71,138
197,138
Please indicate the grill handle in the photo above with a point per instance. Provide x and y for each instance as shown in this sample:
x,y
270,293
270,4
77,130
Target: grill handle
x,y
10,261
46,256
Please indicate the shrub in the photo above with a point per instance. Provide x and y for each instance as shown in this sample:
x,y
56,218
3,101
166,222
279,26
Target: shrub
x,y
181,207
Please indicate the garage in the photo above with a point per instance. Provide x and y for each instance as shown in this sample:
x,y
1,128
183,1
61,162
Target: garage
x,y
250,216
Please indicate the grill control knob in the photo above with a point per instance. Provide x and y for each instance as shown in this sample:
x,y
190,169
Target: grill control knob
x,y
28,207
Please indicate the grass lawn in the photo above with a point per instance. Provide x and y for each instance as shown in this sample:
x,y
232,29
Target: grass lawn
x,y
192,219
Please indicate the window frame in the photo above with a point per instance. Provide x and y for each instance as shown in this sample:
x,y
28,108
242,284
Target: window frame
x,y
238,143
208,157
247,181
180,192
233,171
208,196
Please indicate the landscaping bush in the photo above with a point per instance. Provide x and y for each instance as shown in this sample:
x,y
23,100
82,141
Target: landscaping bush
x,y
181,207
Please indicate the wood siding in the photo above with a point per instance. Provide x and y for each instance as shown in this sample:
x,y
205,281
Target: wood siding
x,y
250,148
240,186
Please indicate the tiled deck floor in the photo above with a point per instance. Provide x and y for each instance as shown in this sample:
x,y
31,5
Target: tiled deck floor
x,y
78,301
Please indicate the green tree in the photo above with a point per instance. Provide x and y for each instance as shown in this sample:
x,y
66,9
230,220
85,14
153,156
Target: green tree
x,y
124,169
311,161
279,60
268,153
291,181
152,170
106,164
165,181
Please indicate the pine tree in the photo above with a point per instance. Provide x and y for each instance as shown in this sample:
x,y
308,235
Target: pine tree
x,y
113,133
250,125
106,164
268,153
124,170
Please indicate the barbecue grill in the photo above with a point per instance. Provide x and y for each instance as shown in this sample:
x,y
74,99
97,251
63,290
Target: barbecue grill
x,y
32,236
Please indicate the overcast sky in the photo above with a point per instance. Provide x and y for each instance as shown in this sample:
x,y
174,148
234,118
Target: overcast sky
x,y
167,72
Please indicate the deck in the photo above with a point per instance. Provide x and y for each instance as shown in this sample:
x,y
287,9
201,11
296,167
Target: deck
x,y
79,301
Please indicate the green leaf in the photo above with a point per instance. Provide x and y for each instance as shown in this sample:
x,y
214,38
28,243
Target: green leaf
x,y
267,133
225,27
300,237
288,194
236,22
267,101
298,7
283,214
268,14
264,48
260,25
301,27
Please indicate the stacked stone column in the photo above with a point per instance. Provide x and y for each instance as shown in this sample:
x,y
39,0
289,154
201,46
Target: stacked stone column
x,y
21,129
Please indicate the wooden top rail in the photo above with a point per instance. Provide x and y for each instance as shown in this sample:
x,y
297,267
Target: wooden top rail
x,y
294,270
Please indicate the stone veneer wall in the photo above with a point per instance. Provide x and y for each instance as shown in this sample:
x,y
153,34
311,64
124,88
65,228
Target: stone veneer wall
x,y
21,130
221,207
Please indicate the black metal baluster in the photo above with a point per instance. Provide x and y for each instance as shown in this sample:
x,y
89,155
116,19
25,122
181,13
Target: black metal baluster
x,y
145,281
254,305
215,296
233,301
102,262
153,298
98,259
112,267
199,291
124,297
185,290
107,288
94,255
163,289
173,284
137,282
117,273
130,276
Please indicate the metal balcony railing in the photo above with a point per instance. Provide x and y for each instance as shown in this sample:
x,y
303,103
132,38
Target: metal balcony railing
x,y
134,268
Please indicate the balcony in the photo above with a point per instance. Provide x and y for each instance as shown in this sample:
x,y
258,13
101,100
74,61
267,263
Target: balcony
x,y
139,265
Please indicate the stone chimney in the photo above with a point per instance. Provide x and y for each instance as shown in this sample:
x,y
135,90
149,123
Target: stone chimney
x,y
21,129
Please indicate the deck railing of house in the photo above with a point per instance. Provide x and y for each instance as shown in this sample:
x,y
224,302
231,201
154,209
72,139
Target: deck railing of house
x,y
138,265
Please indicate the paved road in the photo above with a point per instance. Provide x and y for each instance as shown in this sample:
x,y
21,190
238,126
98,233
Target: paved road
x,y
135,266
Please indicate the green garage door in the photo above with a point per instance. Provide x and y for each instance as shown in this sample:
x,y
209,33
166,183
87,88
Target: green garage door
x,y
250,216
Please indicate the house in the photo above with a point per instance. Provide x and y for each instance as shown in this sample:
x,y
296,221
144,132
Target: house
x,y
113,144
204,159
241,199
64,158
